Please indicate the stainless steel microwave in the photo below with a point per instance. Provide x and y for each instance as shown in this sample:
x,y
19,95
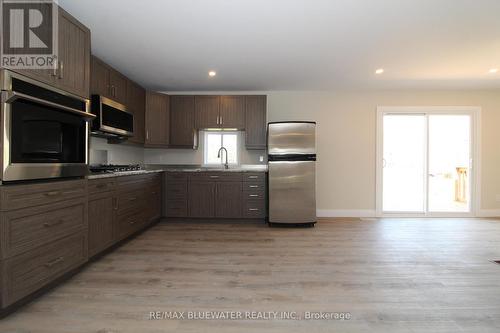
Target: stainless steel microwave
x,y
112,118
45,130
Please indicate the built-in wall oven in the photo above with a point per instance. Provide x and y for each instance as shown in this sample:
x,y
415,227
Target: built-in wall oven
x,y
44,130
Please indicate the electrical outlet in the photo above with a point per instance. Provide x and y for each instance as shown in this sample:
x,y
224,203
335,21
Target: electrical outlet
x,y
261,158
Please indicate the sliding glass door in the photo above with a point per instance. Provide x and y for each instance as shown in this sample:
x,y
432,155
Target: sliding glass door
x,y
426,163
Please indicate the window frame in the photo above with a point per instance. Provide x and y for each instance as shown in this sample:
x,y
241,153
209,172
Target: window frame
x,y
222,158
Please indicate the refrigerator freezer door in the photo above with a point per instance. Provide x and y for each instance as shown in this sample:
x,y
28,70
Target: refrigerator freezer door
x,y
292,192
291,138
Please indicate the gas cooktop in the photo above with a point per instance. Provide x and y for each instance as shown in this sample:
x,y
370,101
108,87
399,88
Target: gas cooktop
x,y
108,168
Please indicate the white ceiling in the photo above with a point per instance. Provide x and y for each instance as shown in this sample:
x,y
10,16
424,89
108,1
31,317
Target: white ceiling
x,y
261,45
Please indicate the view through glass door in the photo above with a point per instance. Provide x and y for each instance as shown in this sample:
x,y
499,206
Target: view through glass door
x,y
426,163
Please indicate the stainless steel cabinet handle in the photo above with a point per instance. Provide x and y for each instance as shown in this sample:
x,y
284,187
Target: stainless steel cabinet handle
x,y
214,176
253,186
49,224
61,69
253,209
218,122
54,71
52,193
54,262
253,195
253,177
147,135
221,120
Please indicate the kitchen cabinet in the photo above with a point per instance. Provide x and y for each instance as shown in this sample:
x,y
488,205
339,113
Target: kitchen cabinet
x,y
136,103
102,204
201,199
176,192
99,78
108,82
182,122
232,112
118,86
157,120
256,125
207,112
43,235
216,194
71,71
228,199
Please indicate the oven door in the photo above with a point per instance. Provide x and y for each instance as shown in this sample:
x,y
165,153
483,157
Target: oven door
x,y
42,139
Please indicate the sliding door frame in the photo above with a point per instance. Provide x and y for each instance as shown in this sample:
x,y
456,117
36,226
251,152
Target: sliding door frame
x,y
475,154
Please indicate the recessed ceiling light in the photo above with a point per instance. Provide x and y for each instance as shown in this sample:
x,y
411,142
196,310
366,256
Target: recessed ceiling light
x,y
493,70
212,73
379,71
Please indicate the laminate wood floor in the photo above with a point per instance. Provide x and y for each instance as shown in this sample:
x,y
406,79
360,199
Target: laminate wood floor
x,y
390,275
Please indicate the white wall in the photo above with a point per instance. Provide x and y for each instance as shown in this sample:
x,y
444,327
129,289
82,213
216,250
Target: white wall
x,y
116,153
346,133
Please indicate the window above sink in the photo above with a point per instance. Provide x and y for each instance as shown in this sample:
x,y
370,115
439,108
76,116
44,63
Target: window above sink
x,y
214,140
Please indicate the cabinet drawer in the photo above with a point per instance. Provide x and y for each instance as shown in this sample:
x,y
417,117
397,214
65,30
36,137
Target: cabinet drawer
x,y
176,177
177,191
32,270
29,195
254,209
254,195
254,186
135,182
129,223
97,186
219,176
253,176
25,229
177,208
128,202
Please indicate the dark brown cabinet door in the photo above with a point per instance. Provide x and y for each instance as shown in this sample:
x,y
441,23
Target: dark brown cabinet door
x,y
207,112
136,97
232,112
99,78
256,126
201,199
73,73
157,119
118,86
228,199
182,129
101,214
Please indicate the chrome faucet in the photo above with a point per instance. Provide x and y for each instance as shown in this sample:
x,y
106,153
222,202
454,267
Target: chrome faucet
x,y
226,165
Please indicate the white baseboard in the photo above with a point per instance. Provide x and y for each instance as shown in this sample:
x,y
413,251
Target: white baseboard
x,y
345,213
489,213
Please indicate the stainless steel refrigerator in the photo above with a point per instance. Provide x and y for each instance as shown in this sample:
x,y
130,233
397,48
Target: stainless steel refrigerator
x,y
292,172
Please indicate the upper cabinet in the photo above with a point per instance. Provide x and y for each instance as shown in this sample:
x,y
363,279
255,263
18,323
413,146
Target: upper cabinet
x,y
71,71
232,112
256,125
183,133
108,82
220,112
207,111
157,120
136,103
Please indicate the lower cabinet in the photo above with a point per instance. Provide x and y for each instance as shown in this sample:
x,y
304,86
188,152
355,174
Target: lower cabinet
x,y
201,199
43,235
216,194
102,203
228,199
